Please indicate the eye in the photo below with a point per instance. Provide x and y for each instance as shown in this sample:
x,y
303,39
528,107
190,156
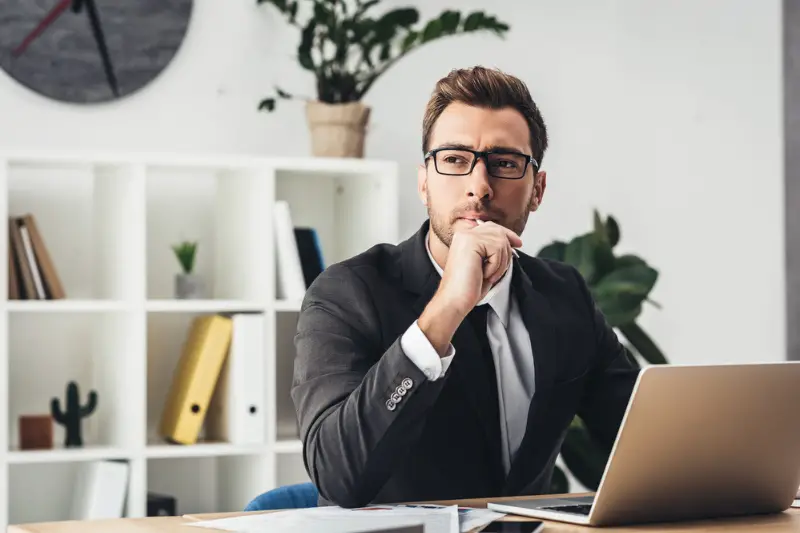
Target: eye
x,y
505,163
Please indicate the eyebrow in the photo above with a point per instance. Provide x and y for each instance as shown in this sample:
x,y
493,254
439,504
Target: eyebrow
x,y
491,148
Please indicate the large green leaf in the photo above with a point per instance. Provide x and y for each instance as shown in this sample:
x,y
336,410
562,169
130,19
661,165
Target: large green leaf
x,y
628,260
620,294
643,344
559,484
635,279
612,229
580,254
554,250
450,20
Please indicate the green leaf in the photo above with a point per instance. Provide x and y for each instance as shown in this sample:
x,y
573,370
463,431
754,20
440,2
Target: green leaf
x,y
643,344
473,21
627,260
583,456
599,227
185,253
433,30
636,279
403,17
282,93
408,41
620,294
306,43
554,250
612,230
386,50
580,254
450,20
267,104
559,484
364,7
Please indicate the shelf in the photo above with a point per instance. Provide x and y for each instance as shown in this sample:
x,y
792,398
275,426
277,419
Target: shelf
x,y
65,455
203,306
110,222
209,449
288,446
66,305
37,159
287,305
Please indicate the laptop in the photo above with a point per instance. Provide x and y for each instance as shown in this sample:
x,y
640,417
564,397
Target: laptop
x,y
696,442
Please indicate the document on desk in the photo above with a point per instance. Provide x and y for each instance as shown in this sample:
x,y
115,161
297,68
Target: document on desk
x,y
332,519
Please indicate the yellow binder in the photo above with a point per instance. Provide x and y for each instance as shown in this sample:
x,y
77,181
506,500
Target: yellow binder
x,y
195,378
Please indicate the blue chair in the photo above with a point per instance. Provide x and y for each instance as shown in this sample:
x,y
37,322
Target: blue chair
x,y
299,496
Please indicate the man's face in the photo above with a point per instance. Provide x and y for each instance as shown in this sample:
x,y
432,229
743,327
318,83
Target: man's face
x,y
454,201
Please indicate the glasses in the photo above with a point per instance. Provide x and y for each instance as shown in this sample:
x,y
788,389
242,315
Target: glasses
x,y
499,164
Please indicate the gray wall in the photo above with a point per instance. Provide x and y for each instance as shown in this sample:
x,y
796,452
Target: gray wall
x,y
791,36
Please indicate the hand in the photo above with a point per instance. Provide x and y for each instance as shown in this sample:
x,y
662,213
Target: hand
x,y
478,258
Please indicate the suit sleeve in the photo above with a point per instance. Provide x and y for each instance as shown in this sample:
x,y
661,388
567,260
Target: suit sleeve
x,y
359,407
611,378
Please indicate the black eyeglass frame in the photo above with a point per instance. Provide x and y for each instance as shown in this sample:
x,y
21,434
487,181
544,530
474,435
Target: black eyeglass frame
x,y
481,155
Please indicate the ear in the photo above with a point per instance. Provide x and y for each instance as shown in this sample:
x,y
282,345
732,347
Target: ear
x,y
539,185
422,183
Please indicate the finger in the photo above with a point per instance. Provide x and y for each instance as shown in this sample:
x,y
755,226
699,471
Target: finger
x,y
498,259
501,271
493,258
514,239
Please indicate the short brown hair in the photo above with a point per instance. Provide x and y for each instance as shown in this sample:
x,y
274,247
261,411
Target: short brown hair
x,y
483,87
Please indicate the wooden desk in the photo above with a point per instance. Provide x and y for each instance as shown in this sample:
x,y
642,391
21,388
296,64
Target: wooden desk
x,y
788,521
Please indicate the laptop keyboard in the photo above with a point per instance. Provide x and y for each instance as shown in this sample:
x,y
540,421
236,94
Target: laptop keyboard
x,y
575,509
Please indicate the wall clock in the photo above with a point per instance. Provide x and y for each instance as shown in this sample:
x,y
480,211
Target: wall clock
x,y
90,51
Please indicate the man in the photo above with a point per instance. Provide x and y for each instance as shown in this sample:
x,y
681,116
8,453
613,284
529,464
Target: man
x,y
451,365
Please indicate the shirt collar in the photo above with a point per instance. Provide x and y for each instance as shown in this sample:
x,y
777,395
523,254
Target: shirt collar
x,y
499,296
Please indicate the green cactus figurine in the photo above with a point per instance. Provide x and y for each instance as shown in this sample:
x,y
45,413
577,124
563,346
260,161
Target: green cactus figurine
x,y
71,417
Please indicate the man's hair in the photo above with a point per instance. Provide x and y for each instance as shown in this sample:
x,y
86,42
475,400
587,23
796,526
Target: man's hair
x,y
489,88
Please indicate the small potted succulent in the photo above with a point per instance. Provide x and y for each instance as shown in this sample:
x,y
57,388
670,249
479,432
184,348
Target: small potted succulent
x,y
346,48
188,284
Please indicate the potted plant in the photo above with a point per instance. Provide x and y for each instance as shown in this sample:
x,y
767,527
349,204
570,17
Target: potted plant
x,y
620,285
188,285
347,50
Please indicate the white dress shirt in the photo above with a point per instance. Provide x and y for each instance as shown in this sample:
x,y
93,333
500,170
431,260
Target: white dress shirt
x,y
511,350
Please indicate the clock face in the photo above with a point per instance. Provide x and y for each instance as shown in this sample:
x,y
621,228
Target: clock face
x,y
90,51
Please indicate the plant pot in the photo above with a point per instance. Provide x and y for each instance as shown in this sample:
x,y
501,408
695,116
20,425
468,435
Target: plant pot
x,y
188,287
337,130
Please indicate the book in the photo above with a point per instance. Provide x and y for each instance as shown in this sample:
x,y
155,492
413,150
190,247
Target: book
x,y
195,377
237,413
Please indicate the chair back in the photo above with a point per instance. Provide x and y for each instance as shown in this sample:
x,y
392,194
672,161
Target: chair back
x,y
297,496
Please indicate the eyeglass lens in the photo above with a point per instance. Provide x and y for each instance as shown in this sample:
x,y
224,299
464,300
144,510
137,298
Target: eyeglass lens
x,y
460,162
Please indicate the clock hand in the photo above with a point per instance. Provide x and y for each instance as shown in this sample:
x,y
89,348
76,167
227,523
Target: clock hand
x,y
48,19
97,30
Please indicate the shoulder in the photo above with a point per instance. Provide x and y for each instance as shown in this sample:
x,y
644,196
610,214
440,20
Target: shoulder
x,y
548,275
355,276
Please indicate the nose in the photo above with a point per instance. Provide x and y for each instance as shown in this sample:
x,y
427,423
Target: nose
x,y
478,184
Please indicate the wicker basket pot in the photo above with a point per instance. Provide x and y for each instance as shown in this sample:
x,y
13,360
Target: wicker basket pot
x,y
337,130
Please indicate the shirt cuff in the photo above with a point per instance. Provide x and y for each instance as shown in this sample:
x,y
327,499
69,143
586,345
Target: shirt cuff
x,y
419,349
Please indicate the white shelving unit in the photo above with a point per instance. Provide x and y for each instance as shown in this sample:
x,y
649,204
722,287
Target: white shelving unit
x,y
108,222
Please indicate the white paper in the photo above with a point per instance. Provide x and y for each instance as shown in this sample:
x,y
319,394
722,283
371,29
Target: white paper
x,y
469,518
332,519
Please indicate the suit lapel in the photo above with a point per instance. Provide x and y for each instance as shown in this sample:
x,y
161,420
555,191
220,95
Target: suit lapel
x,y
539,320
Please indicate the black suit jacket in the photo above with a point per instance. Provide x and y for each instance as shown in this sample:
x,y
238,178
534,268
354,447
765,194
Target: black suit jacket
x,y
375,430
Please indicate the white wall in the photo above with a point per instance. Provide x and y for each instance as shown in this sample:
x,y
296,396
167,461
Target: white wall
x,y
665,114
